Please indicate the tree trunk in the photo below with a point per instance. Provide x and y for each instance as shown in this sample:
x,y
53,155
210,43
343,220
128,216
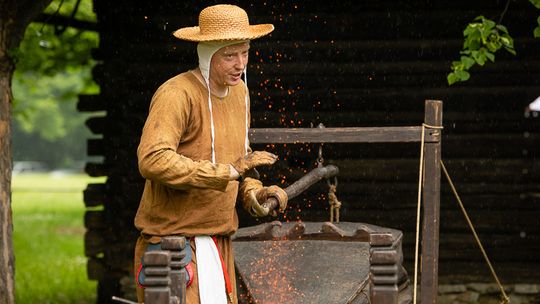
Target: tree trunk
x,y
15,16
6,248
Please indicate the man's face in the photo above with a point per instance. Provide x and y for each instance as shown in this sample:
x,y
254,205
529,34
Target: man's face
x,y
227,65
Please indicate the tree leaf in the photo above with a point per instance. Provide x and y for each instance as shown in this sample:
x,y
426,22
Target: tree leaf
x,y
488,24
479,56
490,56
467,62
536,3
537,32
462,75
502,28
481,17
451,78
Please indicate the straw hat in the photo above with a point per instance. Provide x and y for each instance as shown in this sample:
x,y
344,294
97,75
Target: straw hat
x,y
223,22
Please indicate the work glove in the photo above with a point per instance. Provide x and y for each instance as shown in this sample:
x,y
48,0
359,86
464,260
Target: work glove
x,y
252,160
255,195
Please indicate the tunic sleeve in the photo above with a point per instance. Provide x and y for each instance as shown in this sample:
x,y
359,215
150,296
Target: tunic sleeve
x,y
157,157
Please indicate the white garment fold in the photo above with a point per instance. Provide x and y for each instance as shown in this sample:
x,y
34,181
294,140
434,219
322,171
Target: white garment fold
x,y
210,272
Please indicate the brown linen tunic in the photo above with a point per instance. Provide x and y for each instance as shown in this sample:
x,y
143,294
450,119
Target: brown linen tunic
x,y
185,194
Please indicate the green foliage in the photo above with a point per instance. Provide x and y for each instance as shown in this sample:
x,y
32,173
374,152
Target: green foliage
x,y
482,40
48,49
536,3
48,239
46,104
53,67
536,31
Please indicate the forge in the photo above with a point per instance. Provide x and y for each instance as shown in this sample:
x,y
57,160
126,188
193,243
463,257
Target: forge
x,y
320,262
324,262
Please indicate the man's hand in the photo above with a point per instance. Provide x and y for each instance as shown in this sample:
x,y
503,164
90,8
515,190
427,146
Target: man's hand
x,y
252,160
256,199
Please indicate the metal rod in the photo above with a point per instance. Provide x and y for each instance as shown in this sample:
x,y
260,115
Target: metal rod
x,y
303,184
120,300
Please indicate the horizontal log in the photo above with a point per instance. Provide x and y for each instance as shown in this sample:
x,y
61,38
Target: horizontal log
x,y
337,135
296,77
497,147
94,243
390,98
118,125
91,103
370,188
96,269
94,219
94,195
350,23
454,122
461,170
387,201
472,271
395,99
95,169
97,124
293,50
95,147
495,221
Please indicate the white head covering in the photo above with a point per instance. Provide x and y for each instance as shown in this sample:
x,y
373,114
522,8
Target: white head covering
x,y
206,50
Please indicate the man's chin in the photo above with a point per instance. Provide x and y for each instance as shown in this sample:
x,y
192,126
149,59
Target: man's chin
x,y
232,83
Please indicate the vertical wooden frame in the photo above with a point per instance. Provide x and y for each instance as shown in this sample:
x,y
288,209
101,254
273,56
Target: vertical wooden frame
x,y
431,200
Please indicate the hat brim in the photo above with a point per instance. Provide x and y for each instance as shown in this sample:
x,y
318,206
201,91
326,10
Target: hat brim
x,y
194,33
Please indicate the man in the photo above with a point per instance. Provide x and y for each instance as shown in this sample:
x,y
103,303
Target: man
x,y
193,149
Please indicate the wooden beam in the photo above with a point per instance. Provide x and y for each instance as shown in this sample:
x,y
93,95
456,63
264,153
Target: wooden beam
x,y
341,135
431,200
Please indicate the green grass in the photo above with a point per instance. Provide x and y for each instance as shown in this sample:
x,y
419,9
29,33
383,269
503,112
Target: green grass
x,y
50,266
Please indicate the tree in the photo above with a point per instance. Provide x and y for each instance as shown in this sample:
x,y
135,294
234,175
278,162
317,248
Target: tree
x,y
483,38
53,66
15,16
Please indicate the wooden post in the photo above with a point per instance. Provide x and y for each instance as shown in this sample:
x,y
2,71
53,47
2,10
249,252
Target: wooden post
x,y
158,279
431,195
176,246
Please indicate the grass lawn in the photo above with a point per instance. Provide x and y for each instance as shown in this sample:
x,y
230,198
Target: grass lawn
x,y
50,266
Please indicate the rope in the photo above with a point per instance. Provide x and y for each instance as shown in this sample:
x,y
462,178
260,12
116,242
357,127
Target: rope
x,y
335,204
333,201
418,204
505,299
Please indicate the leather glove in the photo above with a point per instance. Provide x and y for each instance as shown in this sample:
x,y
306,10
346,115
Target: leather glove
x,y
276,192
254,195
252,160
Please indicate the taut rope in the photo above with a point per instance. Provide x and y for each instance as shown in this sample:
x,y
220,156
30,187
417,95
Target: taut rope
x,y
505,299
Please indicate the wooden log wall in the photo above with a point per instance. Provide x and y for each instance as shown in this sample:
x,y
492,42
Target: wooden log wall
x,y
343,64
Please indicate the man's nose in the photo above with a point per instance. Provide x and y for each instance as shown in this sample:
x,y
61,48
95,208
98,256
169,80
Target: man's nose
x,y
241,62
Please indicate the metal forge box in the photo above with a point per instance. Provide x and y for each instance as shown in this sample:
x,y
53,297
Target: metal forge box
x,y
314,262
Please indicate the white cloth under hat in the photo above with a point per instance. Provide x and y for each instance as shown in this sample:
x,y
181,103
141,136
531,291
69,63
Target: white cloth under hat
x,y
205,51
